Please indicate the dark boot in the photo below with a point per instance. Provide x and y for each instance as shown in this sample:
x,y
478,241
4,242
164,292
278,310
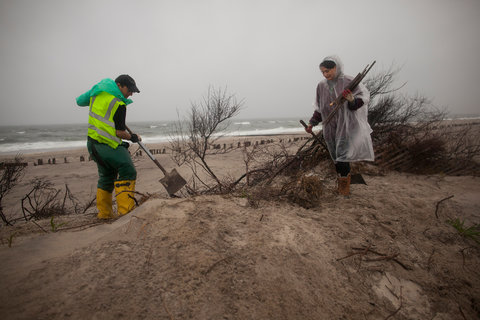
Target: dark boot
x,y
344,185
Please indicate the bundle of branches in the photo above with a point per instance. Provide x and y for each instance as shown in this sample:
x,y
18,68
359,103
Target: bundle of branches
x,y
305,190
274,173
283,163
302,189
351,86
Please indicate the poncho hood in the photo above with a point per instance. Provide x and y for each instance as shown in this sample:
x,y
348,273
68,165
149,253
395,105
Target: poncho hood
x,y
105,85
339,64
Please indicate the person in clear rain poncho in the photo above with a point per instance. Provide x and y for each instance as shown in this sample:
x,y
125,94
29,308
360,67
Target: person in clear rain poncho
x,y
348,133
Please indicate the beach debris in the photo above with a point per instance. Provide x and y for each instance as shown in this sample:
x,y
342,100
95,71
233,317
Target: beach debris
x,y
364,250
304,191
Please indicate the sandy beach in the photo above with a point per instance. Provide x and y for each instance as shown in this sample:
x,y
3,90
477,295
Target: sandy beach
x,y
384,252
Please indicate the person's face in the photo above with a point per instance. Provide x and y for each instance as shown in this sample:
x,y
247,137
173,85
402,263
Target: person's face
x,y
126,93
329,74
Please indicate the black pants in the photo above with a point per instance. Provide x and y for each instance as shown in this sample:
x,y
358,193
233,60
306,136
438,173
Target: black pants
x,y
343,168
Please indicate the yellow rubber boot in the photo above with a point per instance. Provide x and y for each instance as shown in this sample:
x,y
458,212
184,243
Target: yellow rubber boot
x,y
124,191
104,204
344,185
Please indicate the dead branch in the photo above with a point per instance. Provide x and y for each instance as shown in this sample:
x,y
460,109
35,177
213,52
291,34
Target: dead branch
x,y
39,226
438,204
385,257
363,252
89,204
398,309
390,257
215,264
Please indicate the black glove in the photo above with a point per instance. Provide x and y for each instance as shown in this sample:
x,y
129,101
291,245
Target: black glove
x,y
134,137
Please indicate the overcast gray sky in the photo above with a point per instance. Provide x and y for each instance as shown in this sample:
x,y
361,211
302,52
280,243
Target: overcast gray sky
x,y
266,52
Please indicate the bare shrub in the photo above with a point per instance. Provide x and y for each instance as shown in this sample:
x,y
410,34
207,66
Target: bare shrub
x,y
12,172
194,138
393,114
409,132
425,154
46,201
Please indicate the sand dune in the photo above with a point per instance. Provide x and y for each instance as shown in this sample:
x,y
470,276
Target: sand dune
x,y
381,251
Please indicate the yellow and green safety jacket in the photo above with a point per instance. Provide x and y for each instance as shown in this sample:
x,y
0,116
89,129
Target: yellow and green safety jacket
x,y
104,99
101,126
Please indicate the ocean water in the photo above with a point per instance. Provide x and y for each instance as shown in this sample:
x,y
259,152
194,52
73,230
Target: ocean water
x,y
38,138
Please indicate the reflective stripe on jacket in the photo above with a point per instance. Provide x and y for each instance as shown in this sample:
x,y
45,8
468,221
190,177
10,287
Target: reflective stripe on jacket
x,y
101,125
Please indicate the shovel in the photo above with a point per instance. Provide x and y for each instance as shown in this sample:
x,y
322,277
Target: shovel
x,y
172,181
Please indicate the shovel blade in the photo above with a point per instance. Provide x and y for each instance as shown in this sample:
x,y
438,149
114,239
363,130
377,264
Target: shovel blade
x,y
173,182
357,179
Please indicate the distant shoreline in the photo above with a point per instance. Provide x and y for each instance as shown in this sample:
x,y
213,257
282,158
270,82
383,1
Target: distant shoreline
x,y
67,151
74,154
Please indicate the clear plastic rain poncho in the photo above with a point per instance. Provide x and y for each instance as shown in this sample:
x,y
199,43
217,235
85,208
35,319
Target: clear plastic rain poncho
x,y
348,133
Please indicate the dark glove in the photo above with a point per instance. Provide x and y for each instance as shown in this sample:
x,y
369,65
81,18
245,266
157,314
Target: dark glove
x,y
356,104
134,137
309,128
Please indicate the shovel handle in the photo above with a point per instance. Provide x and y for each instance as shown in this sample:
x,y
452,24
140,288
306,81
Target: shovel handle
x,y
149,154
313,134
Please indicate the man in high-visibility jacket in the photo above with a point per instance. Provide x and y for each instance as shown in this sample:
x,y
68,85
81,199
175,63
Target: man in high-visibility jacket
x,y
108,100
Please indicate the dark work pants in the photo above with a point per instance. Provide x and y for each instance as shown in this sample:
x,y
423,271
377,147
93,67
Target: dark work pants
x,y
343,168
113,164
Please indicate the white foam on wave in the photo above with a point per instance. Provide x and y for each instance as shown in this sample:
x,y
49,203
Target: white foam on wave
x,y
31,147
464,118
257,132
242,123
156,139
263,132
